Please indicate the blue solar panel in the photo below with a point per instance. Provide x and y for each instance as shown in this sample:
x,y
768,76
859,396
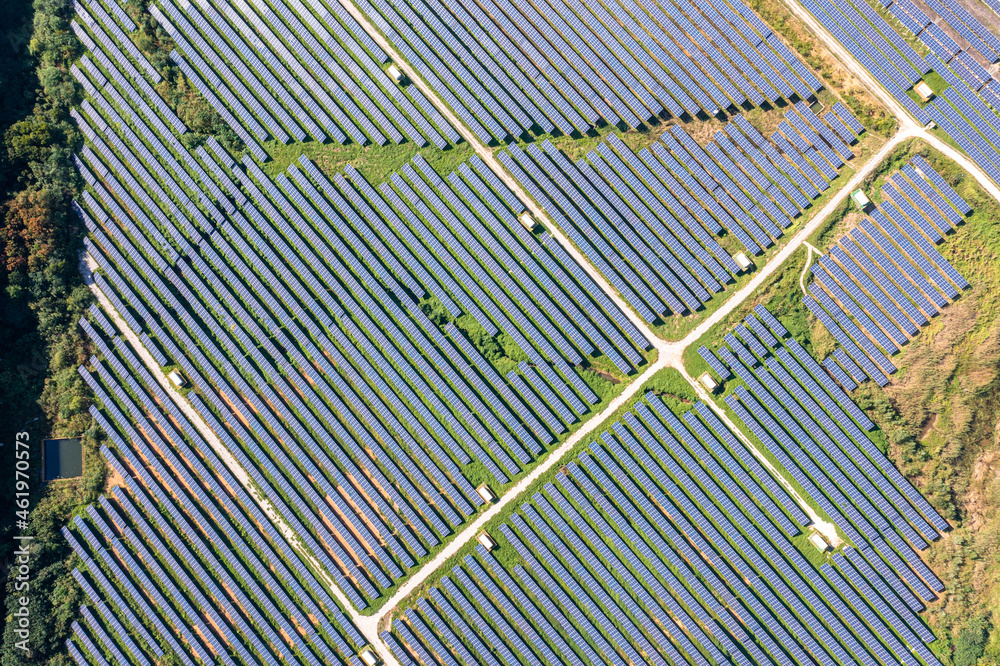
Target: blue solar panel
x,y
839,374
854,308
928,172
491,638
918,258
663,223
853,280
714,363
846,341
593,254
906,266
847,117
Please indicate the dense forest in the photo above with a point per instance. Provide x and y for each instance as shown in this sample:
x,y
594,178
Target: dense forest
x,y
41,298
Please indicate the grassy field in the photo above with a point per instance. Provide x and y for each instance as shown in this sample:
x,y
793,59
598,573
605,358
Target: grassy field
x,y
939,418
377,163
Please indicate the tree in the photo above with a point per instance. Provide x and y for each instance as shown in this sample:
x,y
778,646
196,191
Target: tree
x,y
971,642
41,299
30,140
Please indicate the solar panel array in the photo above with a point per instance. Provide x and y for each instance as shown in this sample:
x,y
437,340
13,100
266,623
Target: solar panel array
x,y
335,332
649,220
951,14
816,425
293,70
180,557
968,110
511,69
668,539
885,279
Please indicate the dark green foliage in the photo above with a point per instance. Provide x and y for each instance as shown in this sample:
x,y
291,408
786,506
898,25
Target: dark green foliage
x,y
435,311
971,642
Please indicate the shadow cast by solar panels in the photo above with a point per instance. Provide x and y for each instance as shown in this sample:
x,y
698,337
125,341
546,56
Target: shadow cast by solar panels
x,y
505,70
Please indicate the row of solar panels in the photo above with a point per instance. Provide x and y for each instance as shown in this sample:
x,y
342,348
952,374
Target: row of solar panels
x,y
162,564
646,219
886,279
329,75
271,77
960,111
970,29
565,66
826,434
620,364
876,45
832,459
954,16
412,471
653,543
259,454
250,353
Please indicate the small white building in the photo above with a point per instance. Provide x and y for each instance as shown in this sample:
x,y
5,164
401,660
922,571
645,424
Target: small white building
x,y
743,261
394,73
861,200
819,541
368,656
487,541
526,220
923,91
177,379
488,495
708,381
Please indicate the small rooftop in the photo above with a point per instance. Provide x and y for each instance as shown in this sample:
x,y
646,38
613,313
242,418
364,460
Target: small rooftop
x,y
62,459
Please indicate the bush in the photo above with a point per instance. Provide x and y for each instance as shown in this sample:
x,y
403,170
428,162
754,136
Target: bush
x,y
971,642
